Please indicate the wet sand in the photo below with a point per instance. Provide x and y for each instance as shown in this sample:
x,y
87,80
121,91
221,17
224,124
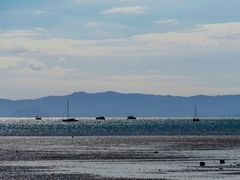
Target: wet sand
x,y
120,157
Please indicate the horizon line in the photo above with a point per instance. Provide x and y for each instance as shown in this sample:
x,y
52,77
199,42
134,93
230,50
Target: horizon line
x,y
117,92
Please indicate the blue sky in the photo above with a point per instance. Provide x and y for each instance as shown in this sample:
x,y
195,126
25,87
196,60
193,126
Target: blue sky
x,y
176,47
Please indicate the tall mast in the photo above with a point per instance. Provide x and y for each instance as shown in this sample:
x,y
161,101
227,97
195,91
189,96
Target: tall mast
x,y
67,108
195,111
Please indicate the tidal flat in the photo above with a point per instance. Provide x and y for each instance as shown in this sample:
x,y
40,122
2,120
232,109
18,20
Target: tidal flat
x,y
119,157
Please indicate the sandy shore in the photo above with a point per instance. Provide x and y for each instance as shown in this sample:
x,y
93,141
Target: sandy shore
x,y
120,157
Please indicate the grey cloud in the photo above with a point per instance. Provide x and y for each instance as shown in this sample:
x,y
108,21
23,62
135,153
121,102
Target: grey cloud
x,y
35,65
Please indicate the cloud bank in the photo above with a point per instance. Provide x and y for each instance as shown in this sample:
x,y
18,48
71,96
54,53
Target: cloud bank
x,y
200,37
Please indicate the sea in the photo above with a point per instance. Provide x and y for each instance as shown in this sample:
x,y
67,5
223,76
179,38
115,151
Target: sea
x,y
117,148
119,127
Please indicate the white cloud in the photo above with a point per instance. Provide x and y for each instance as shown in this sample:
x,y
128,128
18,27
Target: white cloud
x,y
91,24
39,29
11,62
166,21
95,24
27,66
18,33
221,30
201,37
125,10
61,71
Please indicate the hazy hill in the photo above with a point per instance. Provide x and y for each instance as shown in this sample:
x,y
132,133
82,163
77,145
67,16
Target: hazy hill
x,y
117,104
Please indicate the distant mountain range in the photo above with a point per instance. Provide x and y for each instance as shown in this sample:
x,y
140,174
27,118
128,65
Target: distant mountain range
x,y
113,104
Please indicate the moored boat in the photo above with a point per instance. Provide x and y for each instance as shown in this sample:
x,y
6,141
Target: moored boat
x,y
38,117
195,119
100,118
68,119
131,117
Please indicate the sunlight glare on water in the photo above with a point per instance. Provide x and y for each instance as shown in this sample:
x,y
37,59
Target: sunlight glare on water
x,y
119,126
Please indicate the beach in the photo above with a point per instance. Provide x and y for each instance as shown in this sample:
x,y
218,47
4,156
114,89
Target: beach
x,y
119,157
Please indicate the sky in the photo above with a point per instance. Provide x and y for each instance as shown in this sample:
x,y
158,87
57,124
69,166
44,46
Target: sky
x,y
165,47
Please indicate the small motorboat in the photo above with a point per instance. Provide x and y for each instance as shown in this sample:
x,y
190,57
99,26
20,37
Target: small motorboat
x,y
38,117
196,120
100,118
131,117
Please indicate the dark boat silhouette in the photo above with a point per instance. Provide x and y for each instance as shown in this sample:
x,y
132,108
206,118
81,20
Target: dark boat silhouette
x,y
195,119
100,118
68,119
131,117
38,117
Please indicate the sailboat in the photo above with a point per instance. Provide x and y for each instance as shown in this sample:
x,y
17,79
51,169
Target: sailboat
x,y
195,119
68,118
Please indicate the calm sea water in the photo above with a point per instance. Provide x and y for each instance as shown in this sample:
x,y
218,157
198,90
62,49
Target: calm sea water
x,y
118,126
